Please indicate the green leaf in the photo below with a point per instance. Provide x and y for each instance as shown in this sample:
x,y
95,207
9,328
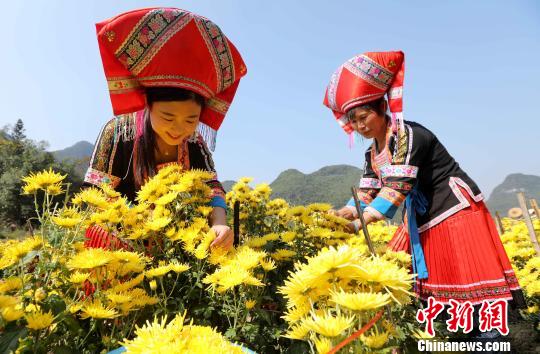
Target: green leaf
x,y
9,340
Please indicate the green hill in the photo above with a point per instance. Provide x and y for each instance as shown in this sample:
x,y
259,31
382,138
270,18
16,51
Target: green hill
x,y
331,184
80,150
79,154
504,196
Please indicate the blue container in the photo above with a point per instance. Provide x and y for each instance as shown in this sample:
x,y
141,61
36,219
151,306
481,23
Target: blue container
x,y
123,350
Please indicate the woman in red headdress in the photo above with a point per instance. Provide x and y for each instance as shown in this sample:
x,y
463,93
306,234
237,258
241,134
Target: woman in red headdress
x,y
456,250
171,76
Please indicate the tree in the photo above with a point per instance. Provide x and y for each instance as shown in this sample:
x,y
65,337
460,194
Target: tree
x,y
19,157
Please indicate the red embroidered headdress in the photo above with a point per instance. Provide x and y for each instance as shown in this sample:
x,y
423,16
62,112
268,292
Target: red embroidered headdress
x,y
168,47
364,78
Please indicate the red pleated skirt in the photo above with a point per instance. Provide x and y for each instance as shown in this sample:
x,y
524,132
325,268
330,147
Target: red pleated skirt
x,y
465,258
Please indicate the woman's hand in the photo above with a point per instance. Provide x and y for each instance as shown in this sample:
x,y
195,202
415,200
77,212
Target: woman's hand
x,y
224,237
224,234
345,212
354,227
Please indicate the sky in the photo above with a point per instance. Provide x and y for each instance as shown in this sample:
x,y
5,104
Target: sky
x,y
472,74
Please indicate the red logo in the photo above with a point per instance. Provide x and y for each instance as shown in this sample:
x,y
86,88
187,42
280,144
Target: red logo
x,y
492,315
429,314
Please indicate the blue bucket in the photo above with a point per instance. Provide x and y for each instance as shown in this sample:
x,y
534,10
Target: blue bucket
x,y
123,350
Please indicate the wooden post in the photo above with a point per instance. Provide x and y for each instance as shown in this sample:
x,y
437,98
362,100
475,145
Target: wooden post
x,y
498,223
535,207
528,221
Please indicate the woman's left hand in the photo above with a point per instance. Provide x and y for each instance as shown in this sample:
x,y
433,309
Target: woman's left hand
x,y
224,237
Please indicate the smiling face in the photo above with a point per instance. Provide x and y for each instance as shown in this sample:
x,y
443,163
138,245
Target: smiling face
x,y
174,121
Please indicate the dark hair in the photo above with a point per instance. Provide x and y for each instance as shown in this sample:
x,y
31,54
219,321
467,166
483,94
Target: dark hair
x,y
376,106
144,162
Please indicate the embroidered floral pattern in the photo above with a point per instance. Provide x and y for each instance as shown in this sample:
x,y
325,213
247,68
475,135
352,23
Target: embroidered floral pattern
x,y
332,88
217,105
392,196
473,295
399,185
367,69
97,178
370,183
220,51
148,36
399,171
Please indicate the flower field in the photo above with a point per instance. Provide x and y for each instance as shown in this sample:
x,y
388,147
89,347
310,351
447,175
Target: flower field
x,y
296,283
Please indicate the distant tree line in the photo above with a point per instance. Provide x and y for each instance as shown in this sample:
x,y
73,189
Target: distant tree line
x,y
20,156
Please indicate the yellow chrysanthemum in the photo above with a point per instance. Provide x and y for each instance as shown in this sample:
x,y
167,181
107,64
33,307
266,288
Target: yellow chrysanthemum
x,y
39,320
296,313
10,284
66,221
167,198
297,332
250,304
288,236
78,277
97,310
157,271
158,223
119,298
327,324
42,180
375,341
178,267
283,254
11,313
15,250
175,338
90,258
322,344
360,301
268,265
91,196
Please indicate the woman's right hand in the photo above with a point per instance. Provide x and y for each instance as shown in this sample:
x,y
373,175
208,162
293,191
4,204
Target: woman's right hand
x,y
345,212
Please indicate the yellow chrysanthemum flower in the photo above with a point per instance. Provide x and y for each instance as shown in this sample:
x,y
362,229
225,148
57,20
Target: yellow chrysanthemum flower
x,y
97,310
297,313
167,198
42,180
328,325
92,197
78,277
283,254
10,284
322,344
39,320
109,191
178,267
250,304
90,258
119,298
288,236
360,301
158,223
11,313
157,271
299,332
375,341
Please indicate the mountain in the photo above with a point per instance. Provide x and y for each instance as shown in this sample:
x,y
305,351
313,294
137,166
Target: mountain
x,y
79,153
331,184
504,196
80,150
